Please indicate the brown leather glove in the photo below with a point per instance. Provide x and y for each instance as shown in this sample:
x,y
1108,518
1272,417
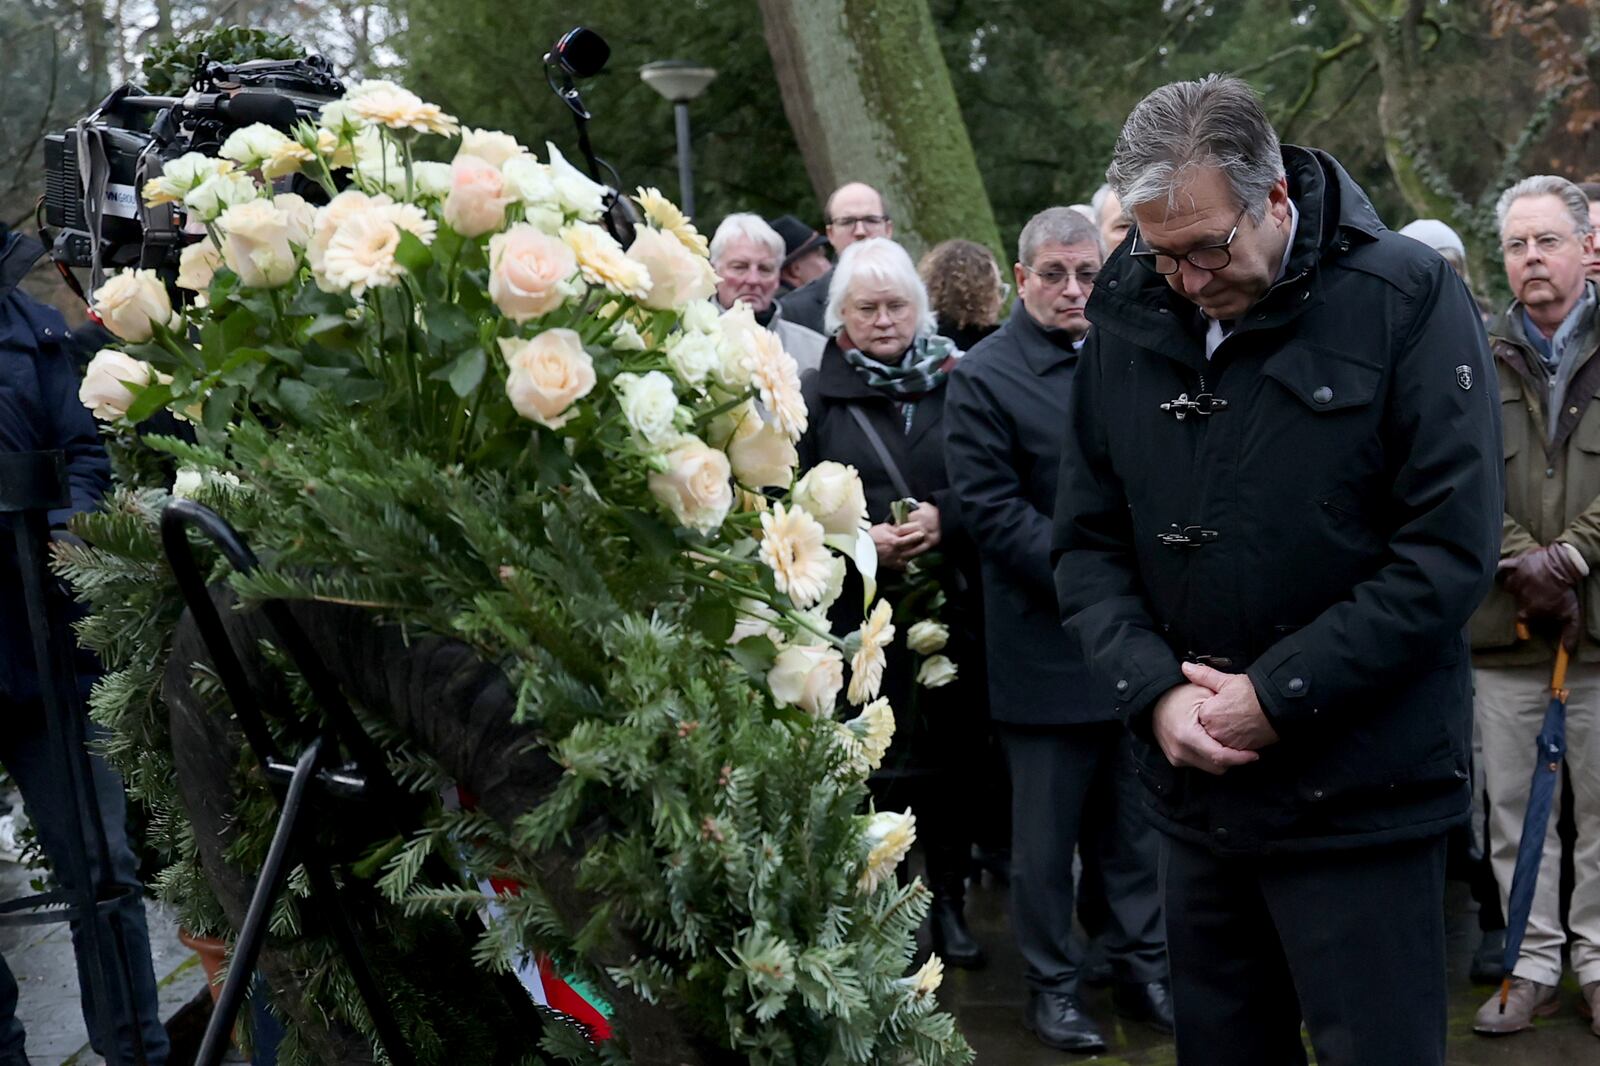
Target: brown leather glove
x,y
1544,582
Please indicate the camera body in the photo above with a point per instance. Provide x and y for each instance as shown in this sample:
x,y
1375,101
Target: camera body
x,y
93,211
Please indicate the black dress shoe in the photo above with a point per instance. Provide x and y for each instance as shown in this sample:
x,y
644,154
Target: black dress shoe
x,y
1149,1002
952,940
1057,1019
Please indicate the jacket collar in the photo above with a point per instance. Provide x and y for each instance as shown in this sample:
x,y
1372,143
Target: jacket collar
x,y
1042,348
1335,214
18,253
837,379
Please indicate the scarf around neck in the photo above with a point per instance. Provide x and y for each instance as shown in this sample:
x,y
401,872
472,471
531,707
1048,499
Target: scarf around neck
x,y
920,370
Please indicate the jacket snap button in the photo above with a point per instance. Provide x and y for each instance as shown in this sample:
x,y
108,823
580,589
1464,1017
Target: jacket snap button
x,y
1122,686
1296,684
1316,793
1111,284
1220,833
1572,410
1323,394
1306,295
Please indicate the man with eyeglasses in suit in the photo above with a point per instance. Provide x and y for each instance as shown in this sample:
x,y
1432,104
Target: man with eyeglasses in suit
x,y
854,212
1071,782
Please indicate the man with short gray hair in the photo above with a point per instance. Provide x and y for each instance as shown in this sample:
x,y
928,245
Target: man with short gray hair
x,y
1279,505
1547,356
747,255
1004,412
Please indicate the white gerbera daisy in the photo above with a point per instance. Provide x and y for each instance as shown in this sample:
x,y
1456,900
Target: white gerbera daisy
x,y
791,544
866,665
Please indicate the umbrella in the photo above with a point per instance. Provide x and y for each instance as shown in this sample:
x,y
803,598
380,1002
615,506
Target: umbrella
x,y
1551,749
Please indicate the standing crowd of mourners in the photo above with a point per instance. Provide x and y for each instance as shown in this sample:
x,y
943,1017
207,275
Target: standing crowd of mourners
x,y
1257,529
1253,538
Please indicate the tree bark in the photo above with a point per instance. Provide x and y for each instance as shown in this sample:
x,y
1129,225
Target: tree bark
x,y
868,95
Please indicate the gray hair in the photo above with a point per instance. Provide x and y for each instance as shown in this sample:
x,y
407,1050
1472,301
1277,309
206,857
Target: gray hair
x,y
1056,225
1098,201
751,227
882,260
1216,122
1570,195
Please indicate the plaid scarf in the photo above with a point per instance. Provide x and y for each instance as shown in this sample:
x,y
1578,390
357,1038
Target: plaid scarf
x,y
920,371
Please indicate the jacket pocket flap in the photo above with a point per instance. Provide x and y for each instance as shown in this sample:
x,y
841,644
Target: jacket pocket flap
x,y
1324,379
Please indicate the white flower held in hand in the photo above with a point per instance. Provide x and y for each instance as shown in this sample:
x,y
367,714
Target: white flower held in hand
x,y
927,636
808,677
936,672
103,390
132,303
832,494
547,375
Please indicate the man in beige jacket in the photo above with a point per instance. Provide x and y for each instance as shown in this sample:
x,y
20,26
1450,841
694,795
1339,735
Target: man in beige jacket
x,y
1547,355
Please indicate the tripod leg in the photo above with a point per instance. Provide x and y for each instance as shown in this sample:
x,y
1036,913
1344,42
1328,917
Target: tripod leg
x,y
247,949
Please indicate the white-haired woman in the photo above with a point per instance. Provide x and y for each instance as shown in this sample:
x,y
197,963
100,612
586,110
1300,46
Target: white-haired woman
x,y
876,402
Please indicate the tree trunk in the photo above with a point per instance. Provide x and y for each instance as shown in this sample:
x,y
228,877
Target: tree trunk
x,y
870,99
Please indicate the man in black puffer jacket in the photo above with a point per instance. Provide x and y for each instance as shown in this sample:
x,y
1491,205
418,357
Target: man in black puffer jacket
x,y
1280,502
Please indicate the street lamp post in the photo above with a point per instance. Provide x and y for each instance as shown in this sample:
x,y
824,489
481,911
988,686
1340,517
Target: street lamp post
x,y
680,82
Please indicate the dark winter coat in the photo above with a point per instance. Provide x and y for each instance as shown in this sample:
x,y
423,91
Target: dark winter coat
x,y
1329,532
39,411
833,434
807,304
1004,418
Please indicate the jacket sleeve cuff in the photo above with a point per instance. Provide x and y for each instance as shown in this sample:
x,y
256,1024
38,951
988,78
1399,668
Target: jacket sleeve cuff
x,y
1576,557
1136,696
1286,690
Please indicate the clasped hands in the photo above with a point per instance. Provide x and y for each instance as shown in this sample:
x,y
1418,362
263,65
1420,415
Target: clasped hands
x,y
1213,723
898,544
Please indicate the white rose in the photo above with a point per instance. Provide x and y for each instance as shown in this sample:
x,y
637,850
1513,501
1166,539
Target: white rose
x,y
835,585
927,636
218,193
936,672
696,486
529,272
625,337
178,176
831,492
736,329
187,483
762,455
677,275
755,619
649,405
104,391
808,677
255,244
701,317
431,179
547,375
530,180
694,356
197,265
301,216
253,145
491,146
340,118
577,195
131,303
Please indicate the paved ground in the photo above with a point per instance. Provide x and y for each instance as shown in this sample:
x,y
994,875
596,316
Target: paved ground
x,y
988,1005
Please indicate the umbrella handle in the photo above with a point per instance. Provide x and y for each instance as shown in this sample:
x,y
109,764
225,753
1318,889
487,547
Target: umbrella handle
x,y
1558,677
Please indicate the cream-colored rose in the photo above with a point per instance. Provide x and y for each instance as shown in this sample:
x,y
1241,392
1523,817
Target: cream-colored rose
x,y
340,119
755,619
649,405
832,494
762,455
218,193
131,303
736,342
491,146
694,356
927,636
835,588
578,196
530,273
696,486
477,201
258,146
301,216
530,180
936,672
625,337
179,176
104,391
677,275
547,375
197,265
255,244
808,677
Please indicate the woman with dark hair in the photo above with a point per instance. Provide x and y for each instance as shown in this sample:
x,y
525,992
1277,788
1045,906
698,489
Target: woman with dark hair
x,y
965,289
876,403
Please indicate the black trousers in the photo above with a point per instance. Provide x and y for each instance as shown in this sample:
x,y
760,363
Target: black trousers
x,y
1072,788
1352,942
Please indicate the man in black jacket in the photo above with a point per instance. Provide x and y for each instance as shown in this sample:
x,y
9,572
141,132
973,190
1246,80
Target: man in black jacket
x,y
40,410
1071,787
1280,503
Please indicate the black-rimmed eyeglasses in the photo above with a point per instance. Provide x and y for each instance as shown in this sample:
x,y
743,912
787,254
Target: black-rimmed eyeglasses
x,y
1055,278
1211,257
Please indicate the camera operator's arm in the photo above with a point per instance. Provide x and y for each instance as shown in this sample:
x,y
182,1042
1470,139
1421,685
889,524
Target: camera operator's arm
x,y
71,427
